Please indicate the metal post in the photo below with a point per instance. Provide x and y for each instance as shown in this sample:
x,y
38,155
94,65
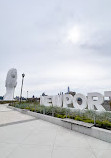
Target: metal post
x,y
23,75
27,94
53,112
44,111
94,120
66,114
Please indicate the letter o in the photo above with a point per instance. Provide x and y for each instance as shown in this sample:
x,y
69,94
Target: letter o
x,y
84,101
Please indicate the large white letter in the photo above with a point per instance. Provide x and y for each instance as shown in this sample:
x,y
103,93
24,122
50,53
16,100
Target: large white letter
x,y
97,103
107,94
47,101
41,100
67,99
57,100
81,106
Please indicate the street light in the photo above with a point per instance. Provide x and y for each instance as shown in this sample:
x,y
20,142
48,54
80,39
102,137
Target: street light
x,y
27,94
23,75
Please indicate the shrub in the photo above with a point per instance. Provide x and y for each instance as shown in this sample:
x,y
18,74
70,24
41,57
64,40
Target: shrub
x,y
78,118
103,120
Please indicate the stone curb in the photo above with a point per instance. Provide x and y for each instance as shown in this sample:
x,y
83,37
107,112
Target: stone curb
x,y
95,132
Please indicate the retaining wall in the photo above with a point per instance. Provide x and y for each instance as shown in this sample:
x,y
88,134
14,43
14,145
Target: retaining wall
x,y
95,132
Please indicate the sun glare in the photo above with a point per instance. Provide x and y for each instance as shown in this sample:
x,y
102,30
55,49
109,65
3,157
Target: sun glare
x,y
74,35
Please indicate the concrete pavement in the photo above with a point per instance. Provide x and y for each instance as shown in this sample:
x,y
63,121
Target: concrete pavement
x,y
24,136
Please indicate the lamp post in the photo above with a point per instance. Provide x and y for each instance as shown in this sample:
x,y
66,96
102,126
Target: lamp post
x,y
27,94
23,75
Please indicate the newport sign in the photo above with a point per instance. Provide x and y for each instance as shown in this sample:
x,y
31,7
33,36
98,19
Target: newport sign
x,y
93,101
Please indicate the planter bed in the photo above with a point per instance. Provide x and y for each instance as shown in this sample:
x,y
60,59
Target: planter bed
x,y
96,132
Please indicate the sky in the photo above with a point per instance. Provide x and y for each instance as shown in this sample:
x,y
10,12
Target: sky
x,y
56,43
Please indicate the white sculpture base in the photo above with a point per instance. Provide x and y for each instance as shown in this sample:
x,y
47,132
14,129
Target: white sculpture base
x,y
9,94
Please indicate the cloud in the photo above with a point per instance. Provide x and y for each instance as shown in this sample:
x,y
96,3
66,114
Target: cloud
x,y
56,44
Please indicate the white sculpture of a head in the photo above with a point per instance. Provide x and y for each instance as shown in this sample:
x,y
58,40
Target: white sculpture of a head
x,y
10,84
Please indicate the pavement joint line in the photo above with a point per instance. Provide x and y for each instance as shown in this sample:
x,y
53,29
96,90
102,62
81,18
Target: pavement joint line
x,y
90,147
7,111
12,151
17,122
19,144
54,143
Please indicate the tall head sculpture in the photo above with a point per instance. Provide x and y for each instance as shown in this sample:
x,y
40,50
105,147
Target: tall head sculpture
x,y
10,84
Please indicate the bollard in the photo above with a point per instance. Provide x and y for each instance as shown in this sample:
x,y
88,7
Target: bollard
x,y
94,120
66,114
52,112
44,111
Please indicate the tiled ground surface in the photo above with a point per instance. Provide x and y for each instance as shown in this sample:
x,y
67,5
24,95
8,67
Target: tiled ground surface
x,y
39,139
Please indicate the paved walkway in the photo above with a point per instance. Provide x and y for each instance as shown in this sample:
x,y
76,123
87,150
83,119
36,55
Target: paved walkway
x,y
22,136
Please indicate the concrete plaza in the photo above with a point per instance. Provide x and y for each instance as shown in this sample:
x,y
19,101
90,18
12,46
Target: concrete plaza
x,y
23,136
